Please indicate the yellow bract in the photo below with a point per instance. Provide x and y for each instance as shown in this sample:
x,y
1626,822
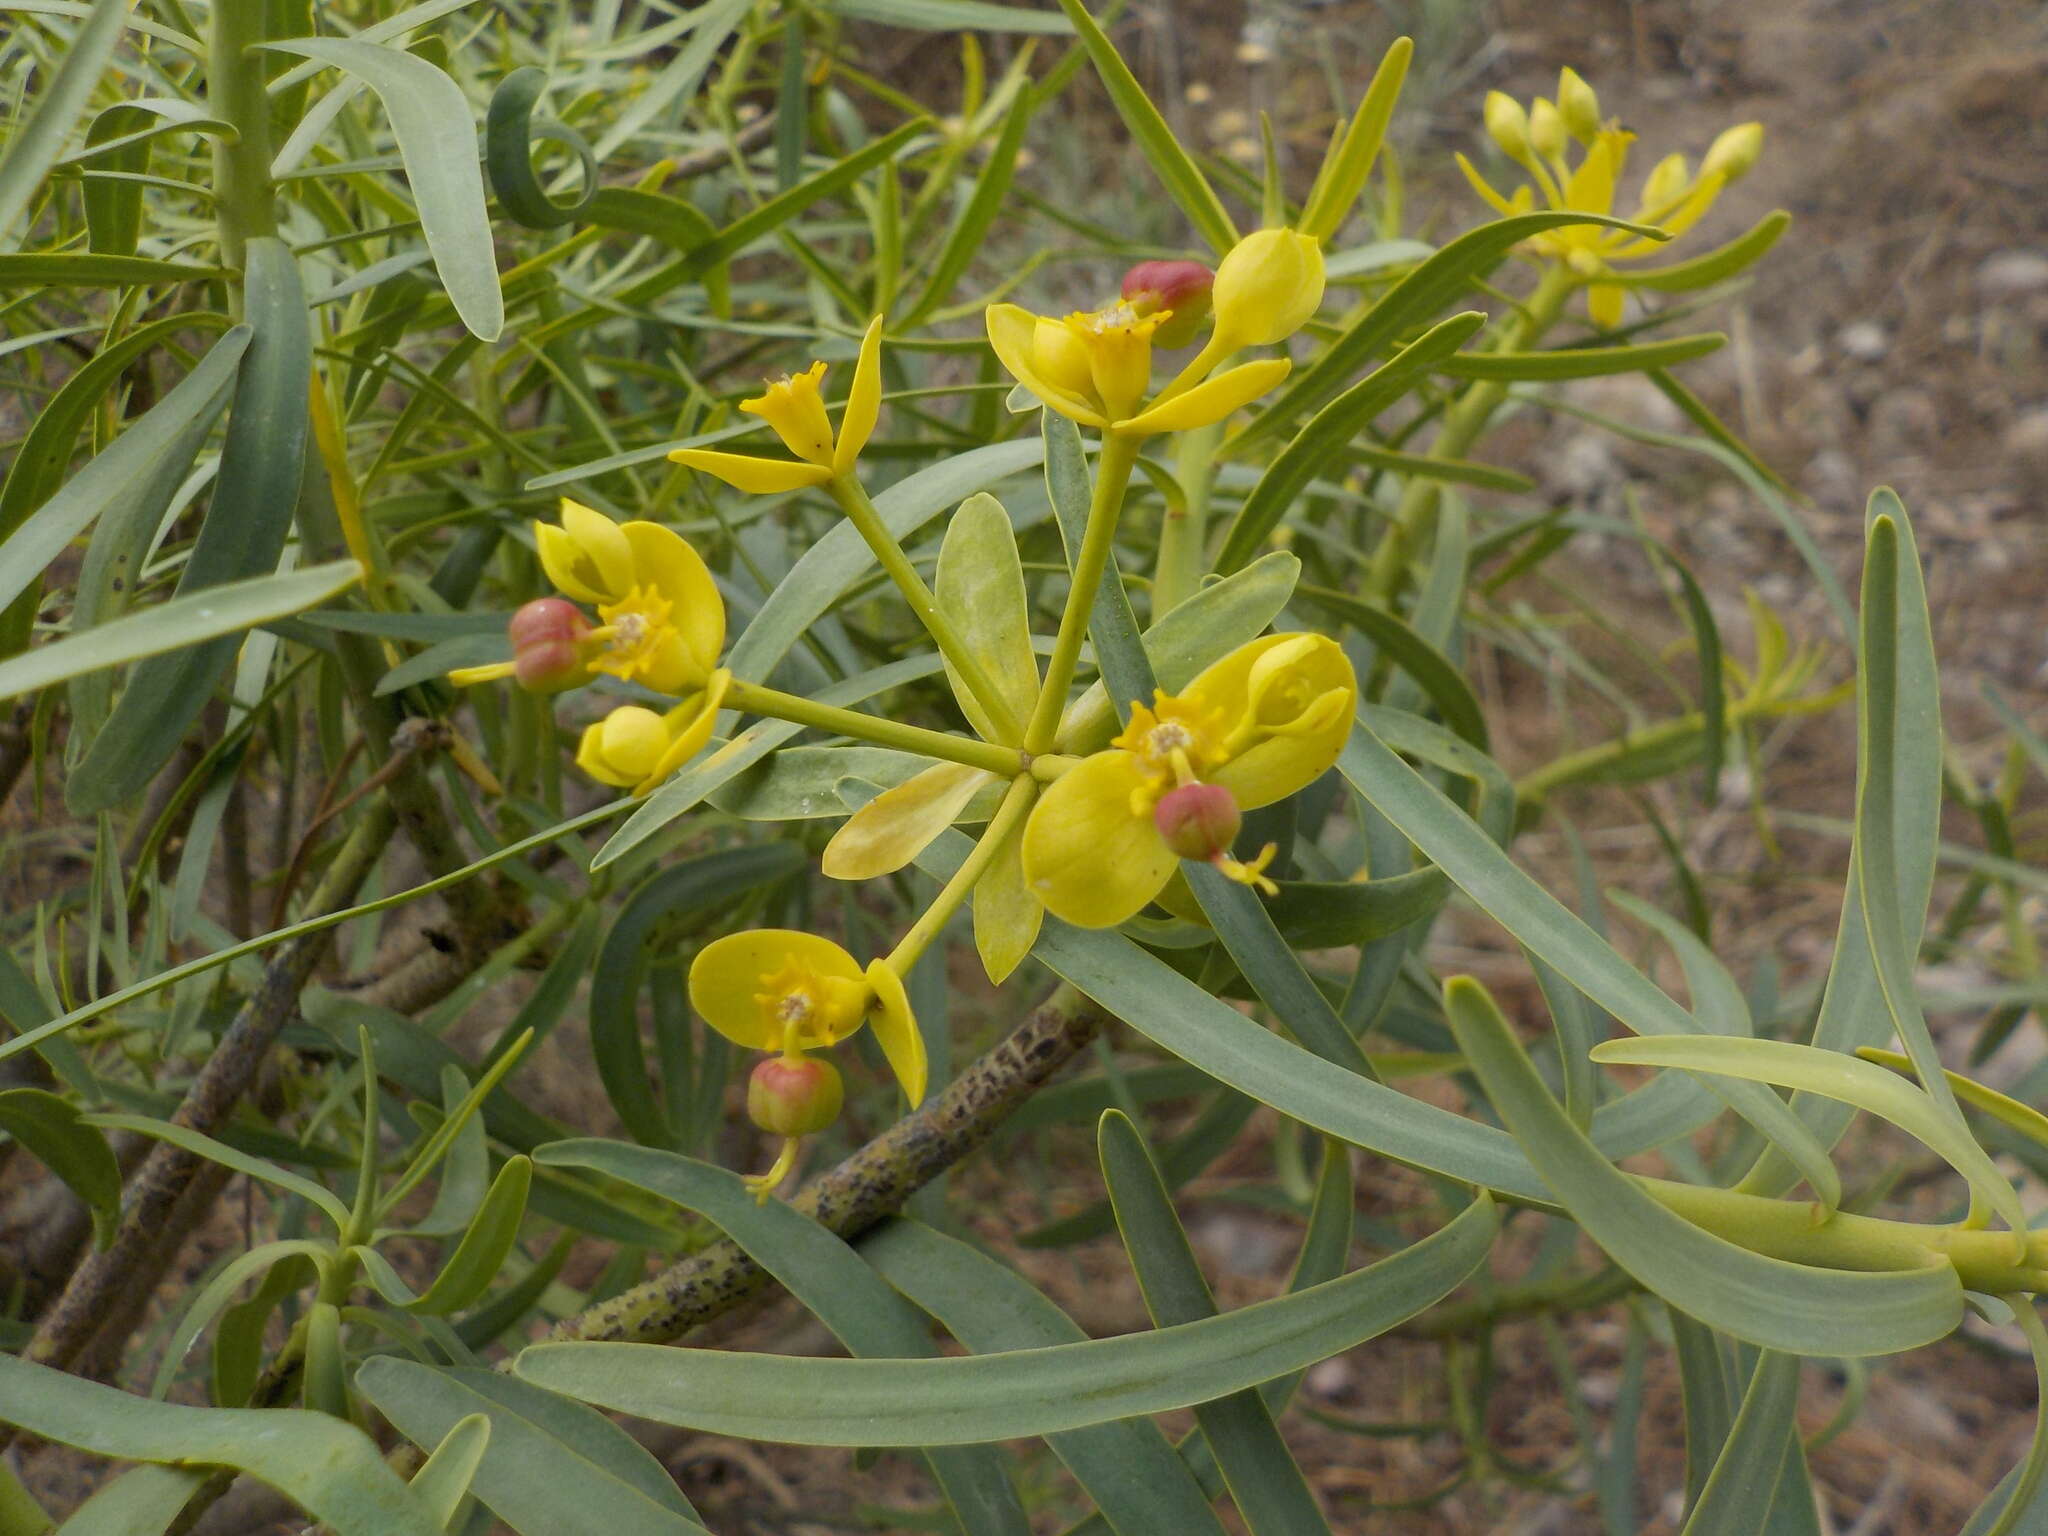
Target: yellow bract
x,y
1267,286
780,989
1673,197
1263,722
796,410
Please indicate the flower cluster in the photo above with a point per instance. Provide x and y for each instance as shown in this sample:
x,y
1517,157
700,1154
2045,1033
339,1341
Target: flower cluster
x,y
1538,138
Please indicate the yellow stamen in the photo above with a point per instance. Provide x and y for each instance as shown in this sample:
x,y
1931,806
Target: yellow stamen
x,y
633,633
1253,873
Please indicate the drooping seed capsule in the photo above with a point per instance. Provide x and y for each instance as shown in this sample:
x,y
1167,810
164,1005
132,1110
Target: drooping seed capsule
x,y
1198,821
546,636
1182,288
794,1095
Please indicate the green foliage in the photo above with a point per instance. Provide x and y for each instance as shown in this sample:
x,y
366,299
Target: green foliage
x,y
312,319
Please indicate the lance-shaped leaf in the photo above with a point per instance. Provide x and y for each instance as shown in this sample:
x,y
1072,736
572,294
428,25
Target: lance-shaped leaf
x,y
979,589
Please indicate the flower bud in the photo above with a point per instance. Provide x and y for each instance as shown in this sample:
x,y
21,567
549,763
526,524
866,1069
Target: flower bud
x,y
1546,129
1578,105
1198,821
1268,286
1181,288
794,1095
1507,124
1734,152
546,651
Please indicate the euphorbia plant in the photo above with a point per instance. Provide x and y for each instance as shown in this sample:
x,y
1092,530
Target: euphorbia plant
x,y
831,563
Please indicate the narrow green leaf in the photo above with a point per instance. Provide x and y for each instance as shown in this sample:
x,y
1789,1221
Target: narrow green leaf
x,y
1898,802
184,621
242,536
84,270
1738,1492
1125,1466
442,1483
711,24
327,1467
143,1501
1343,174
1176,169
1259,1470
475,1262
292,1258
1328,434
261,1169
1724,261
1780,1305
37,139
963,1400
509,132
950,15
817,1267
155,451
1581,362
437,138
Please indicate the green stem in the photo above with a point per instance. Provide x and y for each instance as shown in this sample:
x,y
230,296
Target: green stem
x,y
1112,473
241,166
861,512
1002,826
1183,536
1463,423
1794,1230
753,699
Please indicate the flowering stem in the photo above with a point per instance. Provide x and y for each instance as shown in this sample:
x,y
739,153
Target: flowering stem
x,y
862,514
1463,423
1002,826
1184,533
1112,473
753,699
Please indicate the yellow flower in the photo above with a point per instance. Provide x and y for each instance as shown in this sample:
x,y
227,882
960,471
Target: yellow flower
x,y
1674,198
795,409
635,748
788,992
780,989
1262,723
1097,369
663,622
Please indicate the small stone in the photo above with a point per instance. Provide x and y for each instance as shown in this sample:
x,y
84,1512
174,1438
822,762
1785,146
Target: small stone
x,y
1333,1379
2005,275
1864,341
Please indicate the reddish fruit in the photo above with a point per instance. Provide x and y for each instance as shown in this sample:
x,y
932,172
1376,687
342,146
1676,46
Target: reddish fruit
x,y
794,1096
546,637
1180,287
1198,821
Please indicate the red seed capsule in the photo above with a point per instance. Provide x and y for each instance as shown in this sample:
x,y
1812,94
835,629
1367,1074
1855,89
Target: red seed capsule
x,y
1198,821
794,1096
1181,287
546,637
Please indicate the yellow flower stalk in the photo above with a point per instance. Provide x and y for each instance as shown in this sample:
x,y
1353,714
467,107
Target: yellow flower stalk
x,y
787,992
1673,198
794,407
1107,835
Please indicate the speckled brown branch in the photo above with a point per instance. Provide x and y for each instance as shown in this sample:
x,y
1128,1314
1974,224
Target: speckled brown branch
x,y
871,1184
